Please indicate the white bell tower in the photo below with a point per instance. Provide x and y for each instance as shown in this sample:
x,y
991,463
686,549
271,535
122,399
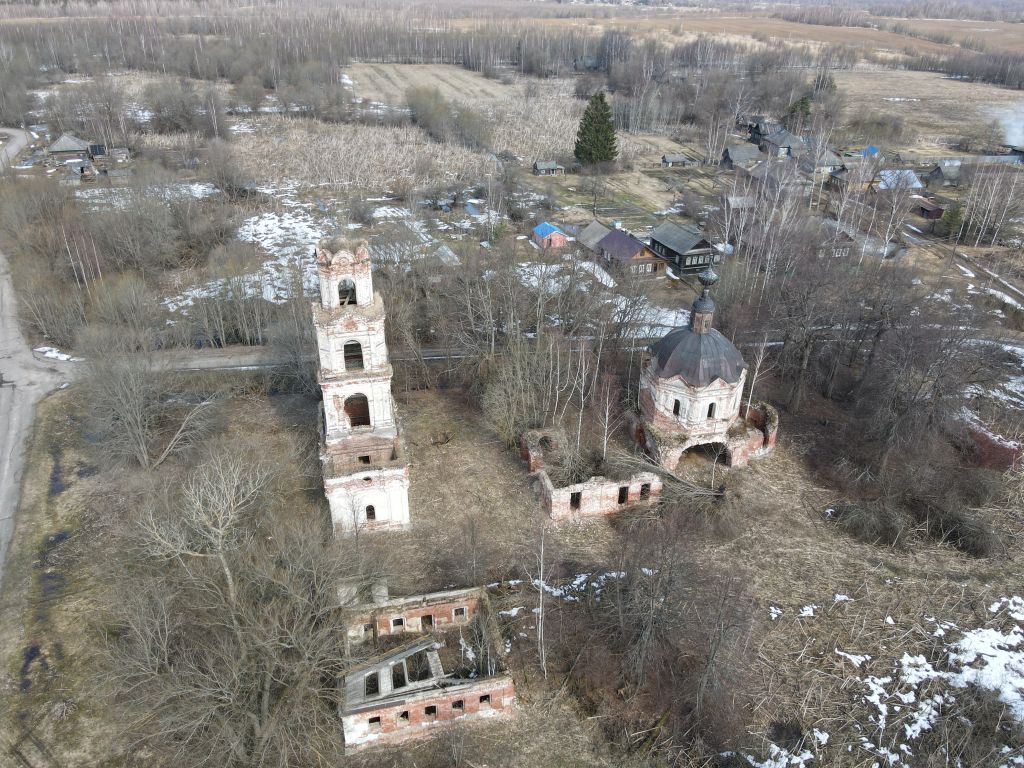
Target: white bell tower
x,y
366,475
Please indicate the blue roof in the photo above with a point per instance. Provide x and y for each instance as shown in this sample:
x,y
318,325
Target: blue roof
x,y
545,229
870,150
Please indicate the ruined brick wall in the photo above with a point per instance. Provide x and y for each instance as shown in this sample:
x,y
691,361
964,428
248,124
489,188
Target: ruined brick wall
x,y
441,614
409,718
598,496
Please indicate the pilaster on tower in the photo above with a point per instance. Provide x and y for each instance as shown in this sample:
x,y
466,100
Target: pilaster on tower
x,y
366,475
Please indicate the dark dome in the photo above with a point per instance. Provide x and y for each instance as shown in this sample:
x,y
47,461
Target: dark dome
x,y
699,358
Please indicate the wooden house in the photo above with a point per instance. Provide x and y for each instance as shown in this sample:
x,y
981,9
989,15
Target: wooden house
x,y
740,155
548,168
592,234
926,209
624,254
944,174
68,147
782,143
683,246
675,160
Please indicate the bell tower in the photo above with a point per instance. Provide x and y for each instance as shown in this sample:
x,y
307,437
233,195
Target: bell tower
x,y
366,475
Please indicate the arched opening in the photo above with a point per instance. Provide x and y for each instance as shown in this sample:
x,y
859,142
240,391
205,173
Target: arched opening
x,y
346,292
371,513
697,460
676,408
353,356
357,408
711,411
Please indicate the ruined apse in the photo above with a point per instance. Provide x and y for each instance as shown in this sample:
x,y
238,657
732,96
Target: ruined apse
x,y
366,473
691,393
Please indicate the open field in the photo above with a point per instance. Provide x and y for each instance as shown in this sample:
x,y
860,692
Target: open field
x,y
387,83
678,27
994,35
938,109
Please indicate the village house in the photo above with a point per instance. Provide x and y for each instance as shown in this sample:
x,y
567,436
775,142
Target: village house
x,y
741,155
819,159
691,394
854,175
677,159
596,496
775,174
683,246
782,143
591,235
624,254
448,667
862,244
758,127
926,209
894,179
366,473
68,147
945,174
547,235
548,168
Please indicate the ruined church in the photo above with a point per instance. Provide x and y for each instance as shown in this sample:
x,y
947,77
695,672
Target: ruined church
x,y
691,394
366,473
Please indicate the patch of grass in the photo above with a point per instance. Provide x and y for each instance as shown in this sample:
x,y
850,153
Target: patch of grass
x,y
871,522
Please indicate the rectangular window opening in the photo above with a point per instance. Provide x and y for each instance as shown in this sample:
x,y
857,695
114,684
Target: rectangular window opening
x,y
364,459
403,718
374,724
645,491
460,613
623,494
398,623
458,707
575,500
430,713
371,684
485,701
398,679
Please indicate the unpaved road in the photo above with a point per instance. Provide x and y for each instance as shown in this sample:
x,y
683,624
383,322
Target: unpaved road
x,y
23,381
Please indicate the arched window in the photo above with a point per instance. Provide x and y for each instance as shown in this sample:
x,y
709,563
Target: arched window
x,y
371,513
346,292
353,356
676,408
711,411
357,408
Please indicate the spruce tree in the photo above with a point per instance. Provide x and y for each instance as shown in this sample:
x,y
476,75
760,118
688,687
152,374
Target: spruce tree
x,y
595,141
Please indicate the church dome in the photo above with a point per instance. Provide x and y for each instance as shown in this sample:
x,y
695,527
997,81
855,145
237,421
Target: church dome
x,y
699,358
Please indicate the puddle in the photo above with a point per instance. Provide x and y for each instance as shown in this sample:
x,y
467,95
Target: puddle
x,y
57,484
30,655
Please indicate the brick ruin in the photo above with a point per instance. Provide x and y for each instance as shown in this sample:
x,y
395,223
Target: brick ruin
x,y
595,497
427,672
366,472
691,392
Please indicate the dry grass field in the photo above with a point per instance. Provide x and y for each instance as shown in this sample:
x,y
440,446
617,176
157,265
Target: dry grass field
x,y
677,27
939,110
387,83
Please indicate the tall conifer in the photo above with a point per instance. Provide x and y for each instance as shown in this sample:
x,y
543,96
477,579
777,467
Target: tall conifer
x,y
595,141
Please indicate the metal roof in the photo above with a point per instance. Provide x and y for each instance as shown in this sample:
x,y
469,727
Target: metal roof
x,y
698,358
743,153
680,239
546,229
69,143
592,234
618,245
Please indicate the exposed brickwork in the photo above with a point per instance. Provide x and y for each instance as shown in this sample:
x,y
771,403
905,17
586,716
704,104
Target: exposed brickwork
x,y
404,615
598,496
366,477
362,731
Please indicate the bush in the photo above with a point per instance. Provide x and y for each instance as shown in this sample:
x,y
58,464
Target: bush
x,y
872,522
961,528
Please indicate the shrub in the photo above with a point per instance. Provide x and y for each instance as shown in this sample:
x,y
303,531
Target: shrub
x,y
871,522
961,528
